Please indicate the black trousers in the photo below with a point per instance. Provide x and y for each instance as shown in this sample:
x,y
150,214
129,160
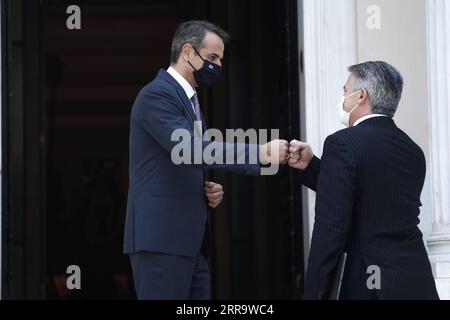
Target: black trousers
x,y
160,276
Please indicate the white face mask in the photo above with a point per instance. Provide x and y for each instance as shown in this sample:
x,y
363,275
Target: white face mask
x,y
344,116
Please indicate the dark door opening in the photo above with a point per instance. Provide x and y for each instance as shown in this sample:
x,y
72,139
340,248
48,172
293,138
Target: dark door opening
x,y
68,143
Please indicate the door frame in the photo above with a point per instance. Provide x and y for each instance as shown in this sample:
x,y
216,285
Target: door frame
x,y
23,152
3,142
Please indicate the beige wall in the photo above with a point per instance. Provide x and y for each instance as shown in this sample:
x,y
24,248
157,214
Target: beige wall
x,y
401,41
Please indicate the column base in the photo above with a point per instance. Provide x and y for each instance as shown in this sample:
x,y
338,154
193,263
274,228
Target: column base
x,y
440,263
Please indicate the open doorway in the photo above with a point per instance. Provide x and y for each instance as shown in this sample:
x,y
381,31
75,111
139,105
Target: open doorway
x,y
68,143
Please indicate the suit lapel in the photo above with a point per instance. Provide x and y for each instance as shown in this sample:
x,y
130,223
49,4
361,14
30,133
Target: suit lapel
x,y
187,103
181,93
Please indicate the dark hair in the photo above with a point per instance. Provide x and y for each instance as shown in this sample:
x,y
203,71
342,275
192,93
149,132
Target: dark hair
x,y
383,83
194,32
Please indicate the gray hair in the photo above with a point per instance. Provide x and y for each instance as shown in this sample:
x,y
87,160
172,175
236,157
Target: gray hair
x,y
194,32
383,83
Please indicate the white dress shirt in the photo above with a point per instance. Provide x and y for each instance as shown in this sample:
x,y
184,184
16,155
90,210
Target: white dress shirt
x,y
184,84
370,116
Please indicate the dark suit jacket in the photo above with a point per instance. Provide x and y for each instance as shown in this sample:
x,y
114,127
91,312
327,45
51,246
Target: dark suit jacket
x,y
167,208
368,186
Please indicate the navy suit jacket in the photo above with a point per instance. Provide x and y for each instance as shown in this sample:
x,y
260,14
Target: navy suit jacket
x,y
167,207
368,187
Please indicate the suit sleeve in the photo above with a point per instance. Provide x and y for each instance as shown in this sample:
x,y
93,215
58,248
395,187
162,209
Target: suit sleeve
x,y
160,115
334,204
309,177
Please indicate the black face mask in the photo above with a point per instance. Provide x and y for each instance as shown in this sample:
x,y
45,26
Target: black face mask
x,y
208,74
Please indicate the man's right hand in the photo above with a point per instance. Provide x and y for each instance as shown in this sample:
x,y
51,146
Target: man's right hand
x,y
300,155
274,152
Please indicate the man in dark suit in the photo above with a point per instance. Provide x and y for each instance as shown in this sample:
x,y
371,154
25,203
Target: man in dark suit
x,y
368,186
167,211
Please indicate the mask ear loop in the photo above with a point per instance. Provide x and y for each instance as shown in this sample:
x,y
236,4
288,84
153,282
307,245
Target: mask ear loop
x,y
354,109
198,54
192,66
352,96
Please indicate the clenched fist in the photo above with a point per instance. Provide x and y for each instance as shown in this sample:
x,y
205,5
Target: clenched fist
x,y
214,194
300,155
274,152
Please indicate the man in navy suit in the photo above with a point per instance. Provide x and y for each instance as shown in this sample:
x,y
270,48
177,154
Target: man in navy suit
x,y
167,211
368,186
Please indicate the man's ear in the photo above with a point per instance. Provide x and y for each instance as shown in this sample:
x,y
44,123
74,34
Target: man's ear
x,y
364,96
186,51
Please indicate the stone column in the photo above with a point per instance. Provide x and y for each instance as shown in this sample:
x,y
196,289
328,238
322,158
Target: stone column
x,y
329,46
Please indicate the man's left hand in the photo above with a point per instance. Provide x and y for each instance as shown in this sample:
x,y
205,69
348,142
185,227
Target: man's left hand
x,y
214,193
300,155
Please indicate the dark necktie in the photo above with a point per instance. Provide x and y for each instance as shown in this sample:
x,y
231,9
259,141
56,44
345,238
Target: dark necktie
x,y
194,100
